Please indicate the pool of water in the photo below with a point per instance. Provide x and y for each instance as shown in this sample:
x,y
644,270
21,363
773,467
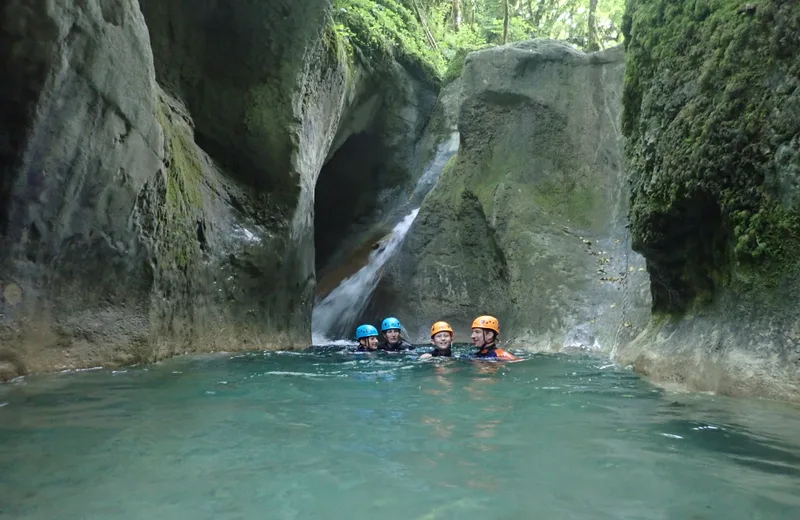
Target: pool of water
x,y
329,435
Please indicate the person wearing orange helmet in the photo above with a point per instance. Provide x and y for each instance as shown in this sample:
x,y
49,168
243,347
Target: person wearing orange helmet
x,y
485,330
442,336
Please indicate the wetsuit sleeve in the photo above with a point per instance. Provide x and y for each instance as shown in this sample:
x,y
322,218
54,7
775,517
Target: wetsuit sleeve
x,y
502,354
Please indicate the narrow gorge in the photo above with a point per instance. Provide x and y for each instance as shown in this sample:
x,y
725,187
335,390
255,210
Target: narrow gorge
x,y
160,165
194,176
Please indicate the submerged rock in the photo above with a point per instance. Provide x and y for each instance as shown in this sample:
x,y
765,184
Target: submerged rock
x,y
528,223
712,104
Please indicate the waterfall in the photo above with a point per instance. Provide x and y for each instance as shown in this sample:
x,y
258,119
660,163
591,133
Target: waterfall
x,y
335,316
444,152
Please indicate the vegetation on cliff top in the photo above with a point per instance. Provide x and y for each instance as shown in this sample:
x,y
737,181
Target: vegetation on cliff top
x,y
711,102
436,34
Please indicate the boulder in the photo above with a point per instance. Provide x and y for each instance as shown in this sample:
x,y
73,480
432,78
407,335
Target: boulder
x,y
528,222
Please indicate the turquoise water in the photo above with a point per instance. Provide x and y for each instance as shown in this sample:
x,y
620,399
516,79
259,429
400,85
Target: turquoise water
x,y
326,435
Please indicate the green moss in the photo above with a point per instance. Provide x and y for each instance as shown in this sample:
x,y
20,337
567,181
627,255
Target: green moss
x,y
185,172
332,39
456,65
383,29
183,198
491,178
769,234
338,42
702,119
451,184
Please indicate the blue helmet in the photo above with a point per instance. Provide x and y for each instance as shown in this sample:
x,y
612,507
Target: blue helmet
x,y
365,331
390,323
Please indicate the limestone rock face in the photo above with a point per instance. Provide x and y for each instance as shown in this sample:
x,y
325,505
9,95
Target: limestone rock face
x,y
266,91
373,164
78,144
159,172
528,223
712,104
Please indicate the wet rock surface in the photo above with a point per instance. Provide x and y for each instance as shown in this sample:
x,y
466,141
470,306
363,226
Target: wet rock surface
x,y
528,223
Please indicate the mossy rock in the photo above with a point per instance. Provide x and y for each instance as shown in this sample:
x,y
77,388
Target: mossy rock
x,y
711,104
517,222
383,31
183,197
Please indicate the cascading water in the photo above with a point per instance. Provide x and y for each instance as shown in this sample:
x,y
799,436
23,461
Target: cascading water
x,y
444,152
335,316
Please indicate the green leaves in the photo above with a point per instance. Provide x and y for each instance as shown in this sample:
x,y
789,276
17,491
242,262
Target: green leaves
x,y
434,33
384,28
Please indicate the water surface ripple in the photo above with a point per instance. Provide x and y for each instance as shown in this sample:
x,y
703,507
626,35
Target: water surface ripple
x,y
323,434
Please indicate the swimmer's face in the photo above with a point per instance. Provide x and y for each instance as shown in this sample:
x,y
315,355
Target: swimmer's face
x,y
372,342
442,340
477,337
393,335
481,337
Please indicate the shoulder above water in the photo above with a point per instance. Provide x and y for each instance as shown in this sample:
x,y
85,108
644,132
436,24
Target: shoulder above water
x,y
397,347
495,353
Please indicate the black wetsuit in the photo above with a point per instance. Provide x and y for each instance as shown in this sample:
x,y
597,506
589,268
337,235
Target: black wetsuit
x,y
448,352
489,351
397,347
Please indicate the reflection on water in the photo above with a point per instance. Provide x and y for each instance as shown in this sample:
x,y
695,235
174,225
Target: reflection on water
x,y
329,434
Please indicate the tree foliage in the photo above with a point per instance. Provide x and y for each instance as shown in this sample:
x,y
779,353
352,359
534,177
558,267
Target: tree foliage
x,y
435,32
482,20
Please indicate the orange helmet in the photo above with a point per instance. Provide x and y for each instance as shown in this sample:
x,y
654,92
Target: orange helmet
x,y
442,326
487,322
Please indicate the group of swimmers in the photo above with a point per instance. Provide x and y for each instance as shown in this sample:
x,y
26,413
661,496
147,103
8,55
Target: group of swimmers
x,y
485,332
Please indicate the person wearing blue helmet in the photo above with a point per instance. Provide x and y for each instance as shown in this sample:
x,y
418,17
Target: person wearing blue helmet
x,y
367,337
394,342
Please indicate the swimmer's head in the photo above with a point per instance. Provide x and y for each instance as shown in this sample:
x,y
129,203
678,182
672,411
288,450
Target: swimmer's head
x,y
367,335
485,330
391,329
442,335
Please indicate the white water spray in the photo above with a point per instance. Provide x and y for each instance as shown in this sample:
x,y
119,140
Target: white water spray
x,y
444,152
337,313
